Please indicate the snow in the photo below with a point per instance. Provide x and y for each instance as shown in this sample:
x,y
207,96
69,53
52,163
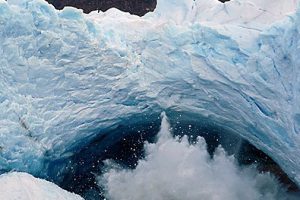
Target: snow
x,y
23,186
232,12
66,77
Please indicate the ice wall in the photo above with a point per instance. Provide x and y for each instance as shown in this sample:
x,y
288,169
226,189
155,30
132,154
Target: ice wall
x,y
66,77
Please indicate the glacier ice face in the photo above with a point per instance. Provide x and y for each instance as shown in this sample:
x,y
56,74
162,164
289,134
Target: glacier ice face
x,y
67,77
23,186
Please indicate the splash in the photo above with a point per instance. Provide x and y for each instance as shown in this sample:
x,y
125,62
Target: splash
x,y
174,169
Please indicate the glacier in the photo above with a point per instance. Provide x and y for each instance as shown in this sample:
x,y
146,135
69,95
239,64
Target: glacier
x,y
67,77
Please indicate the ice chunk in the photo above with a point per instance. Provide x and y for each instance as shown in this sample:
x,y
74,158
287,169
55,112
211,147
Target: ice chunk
x,y
22,186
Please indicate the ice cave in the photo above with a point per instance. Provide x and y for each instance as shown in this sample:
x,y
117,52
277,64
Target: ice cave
x,y
193,100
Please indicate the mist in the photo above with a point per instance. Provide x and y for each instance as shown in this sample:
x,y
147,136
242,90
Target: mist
x,y
174,169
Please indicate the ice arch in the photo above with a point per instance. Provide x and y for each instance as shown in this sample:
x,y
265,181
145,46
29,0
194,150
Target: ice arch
x,y
67,77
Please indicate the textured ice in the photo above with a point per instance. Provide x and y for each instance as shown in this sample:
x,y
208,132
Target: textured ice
x,y
66,76
22,186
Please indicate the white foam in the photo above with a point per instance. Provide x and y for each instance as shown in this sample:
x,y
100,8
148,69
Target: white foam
x,y
175,170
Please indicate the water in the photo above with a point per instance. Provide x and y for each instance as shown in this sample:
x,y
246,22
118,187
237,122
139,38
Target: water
x,y
175,169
